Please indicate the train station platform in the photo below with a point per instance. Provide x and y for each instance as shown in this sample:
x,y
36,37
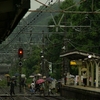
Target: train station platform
x,y
94,89
8,95
80,92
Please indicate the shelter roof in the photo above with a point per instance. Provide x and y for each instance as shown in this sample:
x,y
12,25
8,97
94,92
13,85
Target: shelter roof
x,y
76,55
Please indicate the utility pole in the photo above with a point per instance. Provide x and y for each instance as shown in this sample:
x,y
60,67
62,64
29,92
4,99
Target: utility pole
x,y
66,62
42,55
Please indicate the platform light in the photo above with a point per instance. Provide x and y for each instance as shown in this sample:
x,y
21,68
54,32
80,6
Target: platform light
x,y
89,56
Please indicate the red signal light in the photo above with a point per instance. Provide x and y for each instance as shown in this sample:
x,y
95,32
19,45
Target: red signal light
x,y
20,52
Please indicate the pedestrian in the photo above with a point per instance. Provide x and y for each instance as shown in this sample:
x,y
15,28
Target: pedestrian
x,y
32,87
59,85
47,87
84,78
37,88
12,85
23,82
42,89
8,80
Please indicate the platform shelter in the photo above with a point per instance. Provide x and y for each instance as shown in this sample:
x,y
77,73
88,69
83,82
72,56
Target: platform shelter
x,y
88,61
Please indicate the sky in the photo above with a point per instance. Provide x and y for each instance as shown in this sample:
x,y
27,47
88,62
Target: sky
x,y
34,4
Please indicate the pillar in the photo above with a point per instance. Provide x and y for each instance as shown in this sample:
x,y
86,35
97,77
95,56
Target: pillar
x,y
92,73
97,68
87,72
99,74
79,64
79,75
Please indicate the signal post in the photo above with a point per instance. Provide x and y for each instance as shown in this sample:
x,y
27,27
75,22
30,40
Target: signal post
x,y
20,55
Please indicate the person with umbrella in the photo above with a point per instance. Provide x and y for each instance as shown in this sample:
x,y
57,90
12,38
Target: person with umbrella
x,y
42,88
38,84
37,88
84,78
49,84
12,85
8,79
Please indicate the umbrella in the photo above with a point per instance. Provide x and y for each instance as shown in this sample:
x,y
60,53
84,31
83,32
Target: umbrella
x,y
84,69
72,76
44,76
39,74
17,74
23,75
13,77
7,75
39,81
31,76
49,79
59,80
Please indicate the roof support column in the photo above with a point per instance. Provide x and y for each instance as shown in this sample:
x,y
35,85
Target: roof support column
x,y
79,75
79,63
97,70
68,70
87,66
92,73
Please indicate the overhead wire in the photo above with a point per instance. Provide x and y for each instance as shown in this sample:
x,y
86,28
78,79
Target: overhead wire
x,y
24,27
73,43
37,15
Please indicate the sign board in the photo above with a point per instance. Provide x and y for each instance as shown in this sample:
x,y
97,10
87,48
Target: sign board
x,y
76,62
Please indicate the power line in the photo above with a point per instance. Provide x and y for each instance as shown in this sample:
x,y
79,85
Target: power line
x,y
24,27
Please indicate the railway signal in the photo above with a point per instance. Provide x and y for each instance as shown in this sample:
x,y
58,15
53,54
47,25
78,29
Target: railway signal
x,y
20,63
20,53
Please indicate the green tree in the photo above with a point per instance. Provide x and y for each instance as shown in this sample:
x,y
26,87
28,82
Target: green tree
x,y
32,64
52,53
56,42
85,38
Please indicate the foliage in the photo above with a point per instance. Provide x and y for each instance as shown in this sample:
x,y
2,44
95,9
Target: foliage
x,y
55,43
74,70
32,64
87,35
53,47
53,50
3,83
79,38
